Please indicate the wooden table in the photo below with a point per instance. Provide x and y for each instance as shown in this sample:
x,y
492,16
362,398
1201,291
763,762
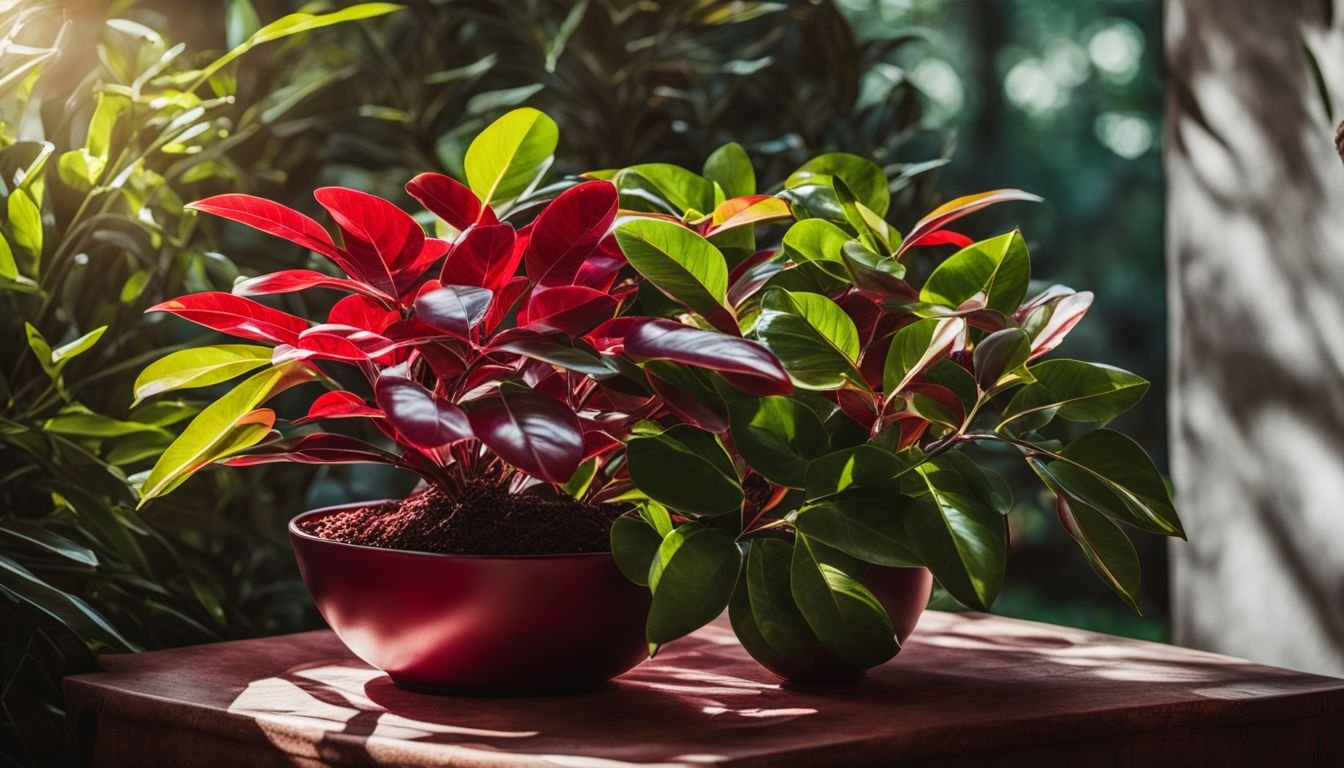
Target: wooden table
x,y
967,689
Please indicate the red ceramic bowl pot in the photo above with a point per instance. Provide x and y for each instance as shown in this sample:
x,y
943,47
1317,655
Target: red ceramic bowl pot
x,y
904,592
476,624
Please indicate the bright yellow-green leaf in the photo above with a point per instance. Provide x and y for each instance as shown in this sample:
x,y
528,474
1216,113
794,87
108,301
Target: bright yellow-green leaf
x,y
199,367
9,269
225,426
510,155
25,226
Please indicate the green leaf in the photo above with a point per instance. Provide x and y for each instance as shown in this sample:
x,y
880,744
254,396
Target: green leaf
x,y
634,543
293,24
562,35
685,468
223,427
818,241
812,336
867,525
847,619
873,272
9,268
578,484
53,360
916,347
23,585
1112,474
95,425
25,228
860,466
678,262
692,579
510,155
749,634
778,436
1107,548
240,22
105,114
79,169
685,192
999,356
999,268
199,367
774,612
35,534
860,174
1074,391
730,168
956,529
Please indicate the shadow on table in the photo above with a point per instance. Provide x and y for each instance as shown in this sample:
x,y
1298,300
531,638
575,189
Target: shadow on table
x,y
708,694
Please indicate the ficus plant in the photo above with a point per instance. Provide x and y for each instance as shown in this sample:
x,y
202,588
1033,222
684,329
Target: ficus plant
x,y
473,351
777,503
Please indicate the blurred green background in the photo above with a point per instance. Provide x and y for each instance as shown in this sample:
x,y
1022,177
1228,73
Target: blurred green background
x,y
952,96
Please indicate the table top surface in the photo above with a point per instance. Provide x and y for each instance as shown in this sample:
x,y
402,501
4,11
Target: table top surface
x,y
964,682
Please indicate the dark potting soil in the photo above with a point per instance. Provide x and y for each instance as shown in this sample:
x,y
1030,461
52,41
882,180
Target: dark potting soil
x,y
483,520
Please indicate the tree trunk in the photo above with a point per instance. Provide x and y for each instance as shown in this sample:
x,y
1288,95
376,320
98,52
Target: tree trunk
x,y
1255,250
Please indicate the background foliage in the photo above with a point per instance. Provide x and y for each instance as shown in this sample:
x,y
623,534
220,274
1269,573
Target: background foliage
x,y
1050,96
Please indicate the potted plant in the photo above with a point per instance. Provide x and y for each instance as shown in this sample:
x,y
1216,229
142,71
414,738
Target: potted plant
x,y
812,515
466,353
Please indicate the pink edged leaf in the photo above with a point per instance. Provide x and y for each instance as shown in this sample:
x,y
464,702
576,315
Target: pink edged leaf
x,y
425,421
362,312
744,363
570,309
320,448
567,231
278,220
1063,314
943,237
338,342
532,431
955,209
485,256
382,240
453,309
292,280
339,405
236,316
450,200
555,349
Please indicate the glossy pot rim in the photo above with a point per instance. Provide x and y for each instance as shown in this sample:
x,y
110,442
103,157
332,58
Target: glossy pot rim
x,y
298,533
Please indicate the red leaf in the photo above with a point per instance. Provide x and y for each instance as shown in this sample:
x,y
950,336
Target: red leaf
x,y
362,312
450,200
340,405
570,309
856,406
609,337
291,280
235,316
485,256
686,406
411,274
745,364
568,230
534,432
505,298
278,220
383,241
425,421
942,237
337,342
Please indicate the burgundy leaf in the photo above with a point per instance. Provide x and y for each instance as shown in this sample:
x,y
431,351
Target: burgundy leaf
x,y
857,406
609,337
484,256
450,200
686,406
321,448
278,220
291,280
745,364
535,433
568,230
570,309
235,316
453,309
339,405
425,421
382,240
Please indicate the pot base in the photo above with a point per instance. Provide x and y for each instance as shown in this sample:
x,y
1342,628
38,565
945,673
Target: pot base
x,y
525,692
